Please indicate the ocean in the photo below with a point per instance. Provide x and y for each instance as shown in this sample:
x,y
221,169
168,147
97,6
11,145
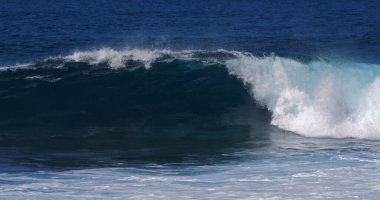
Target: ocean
x,y
189,99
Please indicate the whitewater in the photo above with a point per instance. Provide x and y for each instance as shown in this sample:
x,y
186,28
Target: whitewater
x,y
289,167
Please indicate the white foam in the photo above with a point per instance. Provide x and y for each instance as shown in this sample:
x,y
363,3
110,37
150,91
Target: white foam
x,y
317,99
17,67
116,59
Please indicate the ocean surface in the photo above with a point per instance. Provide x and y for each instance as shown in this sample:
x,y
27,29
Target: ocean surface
x,y
189,99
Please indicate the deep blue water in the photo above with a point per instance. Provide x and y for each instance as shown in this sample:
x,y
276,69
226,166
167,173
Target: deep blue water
x,y
38,28
191,99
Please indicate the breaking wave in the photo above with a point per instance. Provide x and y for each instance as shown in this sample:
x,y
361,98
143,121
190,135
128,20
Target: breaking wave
x,y
315,98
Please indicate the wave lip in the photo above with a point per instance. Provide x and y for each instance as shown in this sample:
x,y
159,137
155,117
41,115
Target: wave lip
x,y
117,59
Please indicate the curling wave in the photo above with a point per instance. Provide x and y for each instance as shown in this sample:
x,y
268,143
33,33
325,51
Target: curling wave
x,y
316,98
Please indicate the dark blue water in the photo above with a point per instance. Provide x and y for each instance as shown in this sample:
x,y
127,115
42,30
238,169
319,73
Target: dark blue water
x,y
236,97
37,29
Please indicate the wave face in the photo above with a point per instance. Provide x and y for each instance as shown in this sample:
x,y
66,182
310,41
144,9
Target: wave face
x,y
316,98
